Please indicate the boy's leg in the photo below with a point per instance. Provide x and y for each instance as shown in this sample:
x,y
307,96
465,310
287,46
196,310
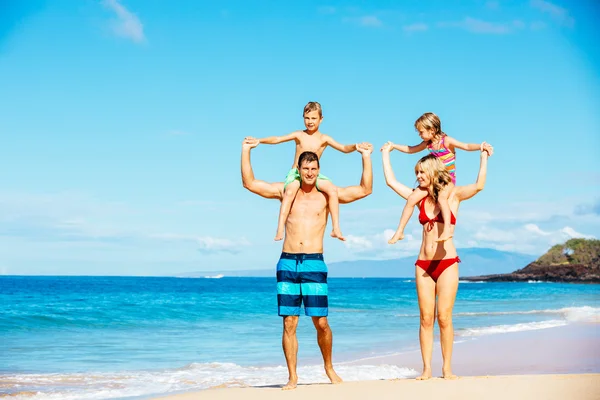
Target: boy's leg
x,y
327,187
414,198
446,214
286,204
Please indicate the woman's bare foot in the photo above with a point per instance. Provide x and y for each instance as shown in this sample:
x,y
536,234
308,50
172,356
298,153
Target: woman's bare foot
x,y
425,375
336,233
397,236
333,377
447,374
292,383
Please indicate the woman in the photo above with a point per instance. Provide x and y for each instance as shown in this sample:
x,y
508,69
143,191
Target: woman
x,y
437,266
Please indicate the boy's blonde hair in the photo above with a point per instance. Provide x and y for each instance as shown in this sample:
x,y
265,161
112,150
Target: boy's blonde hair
x,y
431,122
437,173
313,106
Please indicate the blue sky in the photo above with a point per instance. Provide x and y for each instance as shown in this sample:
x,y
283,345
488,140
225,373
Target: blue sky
x,y
122,121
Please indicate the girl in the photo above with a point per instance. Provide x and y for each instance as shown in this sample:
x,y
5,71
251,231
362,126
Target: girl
x,y
443,147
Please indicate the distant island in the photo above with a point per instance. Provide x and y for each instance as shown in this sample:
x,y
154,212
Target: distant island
x,y
577,260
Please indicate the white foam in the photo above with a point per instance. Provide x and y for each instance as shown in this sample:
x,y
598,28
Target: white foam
x,y
528,326
189,378
218,276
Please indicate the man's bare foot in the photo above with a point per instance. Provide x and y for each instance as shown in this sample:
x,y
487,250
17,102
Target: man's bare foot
x,y
447,374
292,383
443,237
336,233
397,236
333,377
425,375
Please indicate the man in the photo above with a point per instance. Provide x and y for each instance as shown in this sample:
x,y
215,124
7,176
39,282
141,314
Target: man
x,y
301,271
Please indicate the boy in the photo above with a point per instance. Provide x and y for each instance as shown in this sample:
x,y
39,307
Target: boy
x,y
309,139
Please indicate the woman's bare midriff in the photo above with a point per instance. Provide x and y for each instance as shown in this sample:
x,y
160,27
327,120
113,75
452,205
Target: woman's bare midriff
x,y
430,249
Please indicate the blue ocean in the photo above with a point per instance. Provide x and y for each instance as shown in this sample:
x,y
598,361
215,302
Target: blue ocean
x,y
137,337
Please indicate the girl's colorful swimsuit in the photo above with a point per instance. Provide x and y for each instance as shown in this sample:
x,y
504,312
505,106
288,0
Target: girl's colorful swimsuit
x,y
446,156
434,267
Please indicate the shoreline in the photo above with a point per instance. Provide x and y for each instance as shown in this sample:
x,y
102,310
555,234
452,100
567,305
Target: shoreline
x,y
558,360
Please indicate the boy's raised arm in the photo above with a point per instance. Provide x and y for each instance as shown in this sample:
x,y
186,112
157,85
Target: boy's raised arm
x,y
279,139
344,148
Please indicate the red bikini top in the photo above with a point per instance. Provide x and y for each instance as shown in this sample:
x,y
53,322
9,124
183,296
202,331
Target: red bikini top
x,y
424,219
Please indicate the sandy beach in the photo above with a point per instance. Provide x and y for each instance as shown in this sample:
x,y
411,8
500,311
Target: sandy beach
x,y
542,387
559,363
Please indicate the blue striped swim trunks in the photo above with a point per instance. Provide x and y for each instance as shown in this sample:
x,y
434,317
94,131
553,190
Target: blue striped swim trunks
x,y
302,278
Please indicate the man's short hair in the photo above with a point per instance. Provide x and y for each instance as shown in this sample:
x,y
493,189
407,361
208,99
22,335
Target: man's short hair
x,y
306,157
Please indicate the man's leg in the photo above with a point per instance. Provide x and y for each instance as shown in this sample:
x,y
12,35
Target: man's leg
x,y
325,341
289,342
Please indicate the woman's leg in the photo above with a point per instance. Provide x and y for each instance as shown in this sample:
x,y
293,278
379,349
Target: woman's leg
x,y
447,286
426,296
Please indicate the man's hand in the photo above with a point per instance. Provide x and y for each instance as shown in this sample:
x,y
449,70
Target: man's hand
x,y
364,148
250,142
386,148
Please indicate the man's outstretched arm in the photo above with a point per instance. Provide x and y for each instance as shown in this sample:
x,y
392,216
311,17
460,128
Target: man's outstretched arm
x,y
261,188
353,193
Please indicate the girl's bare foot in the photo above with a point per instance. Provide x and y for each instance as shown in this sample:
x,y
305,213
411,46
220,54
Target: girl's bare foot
x,y
443,237
397,236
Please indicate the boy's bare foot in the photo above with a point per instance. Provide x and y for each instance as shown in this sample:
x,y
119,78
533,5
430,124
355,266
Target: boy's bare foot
x,y
447,374
425,375
443,237
336,233
279,235
333,377
292,383
397,236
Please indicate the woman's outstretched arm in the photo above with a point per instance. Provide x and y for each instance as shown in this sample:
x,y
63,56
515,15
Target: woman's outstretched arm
x,y
390,178
468,191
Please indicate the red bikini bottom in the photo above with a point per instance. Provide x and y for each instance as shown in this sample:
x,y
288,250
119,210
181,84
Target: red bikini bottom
x,y
435,267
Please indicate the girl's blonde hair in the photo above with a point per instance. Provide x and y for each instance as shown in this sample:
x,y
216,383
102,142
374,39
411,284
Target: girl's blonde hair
x,y
437,173
431,122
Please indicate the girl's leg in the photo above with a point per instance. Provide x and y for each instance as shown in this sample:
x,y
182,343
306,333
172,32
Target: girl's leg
x,y
446,213
426,297
286,204
411,202
447,286
330,190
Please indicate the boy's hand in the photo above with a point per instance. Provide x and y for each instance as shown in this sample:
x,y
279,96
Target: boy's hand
x,y
389,146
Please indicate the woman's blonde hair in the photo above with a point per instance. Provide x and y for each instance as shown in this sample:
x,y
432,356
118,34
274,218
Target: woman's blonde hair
x,y
430,122
437,173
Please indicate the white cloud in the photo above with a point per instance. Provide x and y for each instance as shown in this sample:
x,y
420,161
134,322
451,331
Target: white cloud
x,y
209,244
560,14
574,234
536,229
127,24
370,20
418,27
480,26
